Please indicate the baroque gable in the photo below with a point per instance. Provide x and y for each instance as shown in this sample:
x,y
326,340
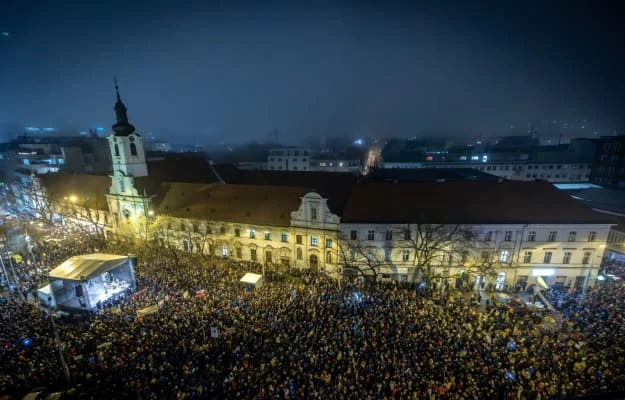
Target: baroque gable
x,y
313,212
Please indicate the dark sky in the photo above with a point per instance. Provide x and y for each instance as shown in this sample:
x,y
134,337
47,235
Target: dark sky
x,y
234,71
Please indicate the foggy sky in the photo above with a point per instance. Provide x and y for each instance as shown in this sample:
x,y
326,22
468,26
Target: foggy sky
x,y
217,71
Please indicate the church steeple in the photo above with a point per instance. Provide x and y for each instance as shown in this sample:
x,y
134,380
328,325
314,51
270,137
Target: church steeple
x,y
122,127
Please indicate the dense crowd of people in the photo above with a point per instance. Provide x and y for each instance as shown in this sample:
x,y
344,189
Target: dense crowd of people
x,y
303,338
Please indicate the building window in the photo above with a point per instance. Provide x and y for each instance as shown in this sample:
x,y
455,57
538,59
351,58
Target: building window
x,y
405,255
222,230
328,257
592,236
507,236
267,235
298,252
531,236
464,256
353,235
239,253
547,258
371,235
527,257
552,236
586,259
253,255
489,236
284,238
268,257
237,232
224,251
298,239
133,149
389,235
567,257
572,236
116,150
252,233
313,241
504,256
187,245
313,213
485,256
328,243
387,254
407,234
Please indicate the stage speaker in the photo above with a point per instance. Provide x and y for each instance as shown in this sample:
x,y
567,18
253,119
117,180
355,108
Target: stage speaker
x,y
79,291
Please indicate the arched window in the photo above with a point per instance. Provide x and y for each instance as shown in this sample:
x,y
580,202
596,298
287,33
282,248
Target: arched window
x,y
133,149
116,150
329,257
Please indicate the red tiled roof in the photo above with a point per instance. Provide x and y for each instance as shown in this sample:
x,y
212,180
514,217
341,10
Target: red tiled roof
x,y
335,186
466,203
246,204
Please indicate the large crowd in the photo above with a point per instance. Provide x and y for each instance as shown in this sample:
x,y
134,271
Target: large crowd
x,y
302,338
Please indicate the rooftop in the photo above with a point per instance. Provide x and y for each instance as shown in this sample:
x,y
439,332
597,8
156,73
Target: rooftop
x,y
467,202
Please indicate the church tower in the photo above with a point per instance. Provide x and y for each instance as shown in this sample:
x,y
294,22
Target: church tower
x,y
125,201
126,146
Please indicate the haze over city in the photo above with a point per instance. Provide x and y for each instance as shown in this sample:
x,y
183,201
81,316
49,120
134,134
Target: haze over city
x,y
213,72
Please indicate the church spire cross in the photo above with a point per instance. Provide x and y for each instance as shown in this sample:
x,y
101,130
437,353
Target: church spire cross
x,y
122,127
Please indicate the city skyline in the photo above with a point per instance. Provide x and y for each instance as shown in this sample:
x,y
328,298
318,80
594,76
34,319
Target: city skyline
x,y
208,73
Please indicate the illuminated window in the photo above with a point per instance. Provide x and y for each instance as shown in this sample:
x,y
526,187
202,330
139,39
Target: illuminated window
x,y
504,256
224,251
252,233
328,243
313,241
267,235
284,237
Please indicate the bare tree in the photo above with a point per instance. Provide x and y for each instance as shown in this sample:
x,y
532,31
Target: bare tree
x,y
436,247
87,213
356,255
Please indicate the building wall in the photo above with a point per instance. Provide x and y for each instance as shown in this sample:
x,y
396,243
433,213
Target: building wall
x,y
289,159
551,172
508,245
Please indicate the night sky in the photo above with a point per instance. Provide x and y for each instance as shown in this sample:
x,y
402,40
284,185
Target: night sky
x,y
233,71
